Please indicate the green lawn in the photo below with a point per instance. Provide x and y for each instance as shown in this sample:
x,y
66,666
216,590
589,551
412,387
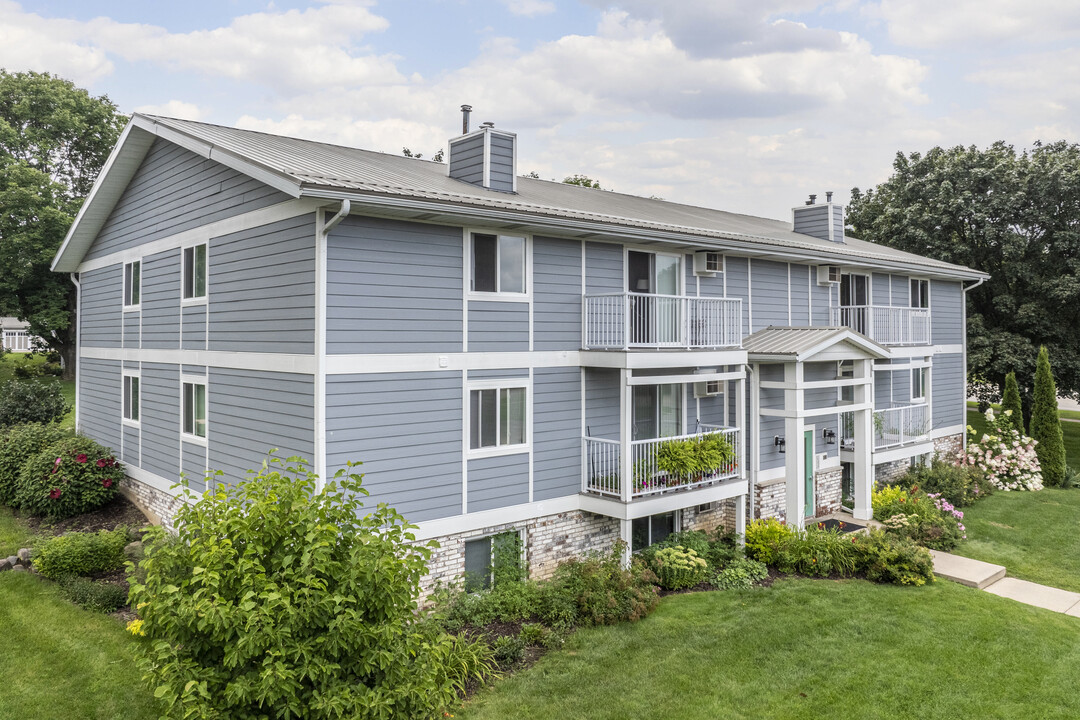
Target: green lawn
x,y
1070,433
809,649
8,363
60,661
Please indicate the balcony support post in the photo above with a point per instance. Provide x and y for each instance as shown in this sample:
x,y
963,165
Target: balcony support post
x,y
626,436
626,534
864,468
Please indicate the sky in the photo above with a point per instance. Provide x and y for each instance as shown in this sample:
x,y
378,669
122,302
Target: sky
x,y
742,105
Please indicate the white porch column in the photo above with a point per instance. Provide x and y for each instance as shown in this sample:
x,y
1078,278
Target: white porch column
x,y
626,434
626,534
740,517
794,460
864,442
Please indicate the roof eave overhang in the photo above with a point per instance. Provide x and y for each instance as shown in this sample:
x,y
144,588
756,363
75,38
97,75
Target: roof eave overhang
x,y
600,229
120,168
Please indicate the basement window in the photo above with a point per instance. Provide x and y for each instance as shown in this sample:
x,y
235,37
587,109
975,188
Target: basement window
x,y
493,560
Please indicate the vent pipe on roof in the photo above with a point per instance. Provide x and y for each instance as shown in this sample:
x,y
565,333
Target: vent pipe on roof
x,y
465,110
828,196
812,200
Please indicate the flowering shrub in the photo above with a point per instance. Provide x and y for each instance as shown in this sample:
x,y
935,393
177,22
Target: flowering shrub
x,y
765,537
959,483
679,568
72,476
18,444
1006,455
928,519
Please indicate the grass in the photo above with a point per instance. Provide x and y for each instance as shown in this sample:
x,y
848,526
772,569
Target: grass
x,y
809,649
62,661
1063,414
8,363
1070,434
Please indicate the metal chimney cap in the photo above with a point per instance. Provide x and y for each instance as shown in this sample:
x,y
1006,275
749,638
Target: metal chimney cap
x,y
487,124
828,196
466,108
812,200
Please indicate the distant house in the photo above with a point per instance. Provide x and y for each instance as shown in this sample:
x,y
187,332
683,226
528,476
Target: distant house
x,y
15,336
504,354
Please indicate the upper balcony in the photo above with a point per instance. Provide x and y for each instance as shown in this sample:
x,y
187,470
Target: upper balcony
x,y
886,325
625,321
894,427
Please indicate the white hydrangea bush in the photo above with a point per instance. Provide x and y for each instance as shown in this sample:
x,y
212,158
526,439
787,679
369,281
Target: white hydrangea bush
x,y
1006,455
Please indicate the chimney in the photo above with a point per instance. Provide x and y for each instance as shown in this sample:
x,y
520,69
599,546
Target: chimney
x,y
486,157
825,221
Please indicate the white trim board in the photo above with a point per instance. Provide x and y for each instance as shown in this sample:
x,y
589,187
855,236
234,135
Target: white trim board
x,y
270,362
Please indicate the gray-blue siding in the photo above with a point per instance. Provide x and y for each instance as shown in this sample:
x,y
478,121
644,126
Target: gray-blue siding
x,y
800,294
159,385
603,268
262,288
393,287
501,175
99,401
769,290
100,311
131,323
497,482
467,159
812,220
175,190
947,390
946,312
161,300
407,430
556,432
738,287
498,326
557,294
602,403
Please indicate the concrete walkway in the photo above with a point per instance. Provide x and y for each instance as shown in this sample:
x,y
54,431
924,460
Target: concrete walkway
x,y
991,578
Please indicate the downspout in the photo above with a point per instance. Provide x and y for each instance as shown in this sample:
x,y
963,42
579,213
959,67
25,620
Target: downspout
x,y
322,234
754,450
346,206
963,407
78,343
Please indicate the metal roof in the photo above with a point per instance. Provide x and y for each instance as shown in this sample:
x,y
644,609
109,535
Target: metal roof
x,y
309,168
801,343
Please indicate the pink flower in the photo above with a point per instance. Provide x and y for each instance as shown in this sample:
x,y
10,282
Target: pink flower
x,y
55,494
106,483
56,465
80,458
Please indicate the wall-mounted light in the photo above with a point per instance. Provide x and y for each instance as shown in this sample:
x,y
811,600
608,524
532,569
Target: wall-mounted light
x,y
829,435
778,441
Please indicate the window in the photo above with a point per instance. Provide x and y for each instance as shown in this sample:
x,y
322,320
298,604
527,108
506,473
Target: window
x,y
132,283
498,263
195,272
497,417
195,409
493,560
918,383
650,530
131,398
920,293
845,370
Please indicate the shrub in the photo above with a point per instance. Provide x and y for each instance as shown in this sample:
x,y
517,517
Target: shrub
x,y
885,558
281,595
959,484
1012,409
26,401
1045,425
679,568
506,602
18,444
465,659
764,539
928,519
97,596
717,550
509,649
740,573
816,551
78,554
72,476
597,590
1008,458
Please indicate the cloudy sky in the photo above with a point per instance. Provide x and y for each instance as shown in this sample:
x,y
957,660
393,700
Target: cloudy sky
x,y
744,105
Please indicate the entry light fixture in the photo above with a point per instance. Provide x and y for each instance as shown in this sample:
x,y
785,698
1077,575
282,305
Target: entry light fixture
x,y
829,436
778,441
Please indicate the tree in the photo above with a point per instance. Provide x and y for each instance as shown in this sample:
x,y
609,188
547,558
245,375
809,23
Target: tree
x,y
583,181
1011,408
437,157
1012,215
54,139
1045,425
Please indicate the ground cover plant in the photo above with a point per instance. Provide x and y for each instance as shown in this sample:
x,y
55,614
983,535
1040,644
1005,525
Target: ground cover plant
x,y
803,649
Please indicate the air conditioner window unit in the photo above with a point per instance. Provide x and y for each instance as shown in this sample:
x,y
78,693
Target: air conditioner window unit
x,y
708,263
828,274
709,388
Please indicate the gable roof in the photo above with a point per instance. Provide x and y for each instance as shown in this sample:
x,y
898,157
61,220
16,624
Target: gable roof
x,y
800,344
398,186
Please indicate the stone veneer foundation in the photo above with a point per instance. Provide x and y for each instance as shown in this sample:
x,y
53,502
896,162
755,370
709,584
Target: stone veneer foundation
x,y
160,507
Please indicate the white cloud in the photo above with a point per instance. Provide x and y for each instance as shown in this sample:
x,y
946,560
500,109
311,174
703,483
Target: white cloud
x,y
31,42
952,23
175,109
529,8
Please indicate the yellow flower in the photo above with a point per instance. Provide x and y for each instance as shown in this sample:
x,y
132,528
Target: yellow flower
x,y
135,627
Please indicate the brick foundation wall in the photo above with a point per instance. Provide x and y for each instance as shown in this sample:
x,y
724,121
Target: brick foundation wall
x,y
160,507
771,500
828,489
890,472
720,514
949,447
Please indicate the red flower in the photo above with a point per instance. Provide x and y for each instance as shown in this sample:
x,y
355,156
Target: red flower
x,y
106,483
80,458
55,494
102,463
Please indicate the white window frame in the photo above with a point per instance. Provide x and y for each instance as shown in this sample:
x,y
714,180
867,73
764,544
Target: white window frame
x,y
841,375
498,385
201,380
923,372
194,299
128,305
126,377
498,295
911,295
520,532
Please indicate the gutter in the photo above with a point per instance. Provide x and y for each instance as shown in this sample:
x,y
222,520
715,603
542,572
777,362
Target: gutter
x,y
755,432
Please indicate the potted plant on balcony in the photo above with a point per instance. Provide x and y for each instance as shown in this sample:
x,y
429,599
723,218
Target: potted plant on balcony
x,y
679,459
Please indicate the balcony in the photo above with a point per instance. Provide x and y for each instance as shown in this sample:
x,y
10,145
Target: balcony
x,y
603,473
886,325
902,425
624,321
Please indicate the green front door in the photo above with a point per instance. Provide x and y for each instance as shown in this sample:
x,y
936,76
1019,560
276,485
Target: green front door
x,y
808,472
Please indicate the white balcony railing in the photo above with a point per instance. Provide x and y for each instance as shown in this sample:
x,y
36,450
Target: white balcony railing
x,y
640,320
901,426
603,473
886,325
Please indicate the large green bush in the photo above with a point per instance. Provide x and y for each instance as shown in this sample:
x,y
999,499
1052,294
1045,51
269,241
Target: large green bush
x,y
959,484
817,552
18,444
284,600
718,548
764,538
72,476
26,401
597,590
79,554
1045,424
885,558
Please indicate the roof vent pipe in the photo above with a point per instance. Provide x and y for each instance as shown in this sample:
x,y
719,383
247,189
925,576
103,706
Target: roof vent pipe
x,y
488,124
465,110
828,196
812,200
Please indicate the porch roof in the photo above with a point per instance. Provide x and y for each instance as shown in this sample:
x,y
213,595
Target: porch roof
x,y
799,344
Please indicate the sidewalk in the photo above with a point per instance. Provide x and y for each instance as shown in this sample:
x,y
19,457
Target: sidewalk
x,y
991,578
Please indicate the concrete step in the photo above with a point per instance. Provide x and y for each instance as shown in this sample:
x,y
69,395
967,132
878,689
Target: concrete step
x,y
1062,601
973,573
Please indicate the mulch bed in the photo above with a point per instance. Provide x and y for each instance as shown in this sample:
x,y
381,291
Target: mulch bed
x,y
119,511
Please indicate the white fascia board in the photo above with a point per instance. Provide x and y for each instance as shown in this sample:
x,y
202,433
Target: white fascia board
x,y
658,359
870,347
903,453
269,362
